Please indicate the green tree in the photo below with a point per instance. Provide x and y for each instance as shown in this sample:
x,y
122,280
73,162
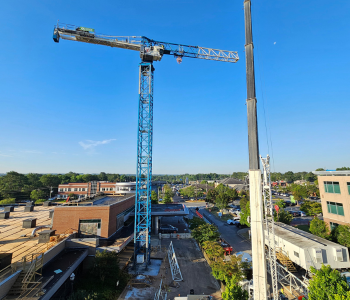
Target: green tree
x,y
342,234
213,249
281,203
204,182
37,194
71,196
327,284
320,228
224,269
320,169
232,194
211,196
245,213
233,291
222,200
311,208
205,232
196,222
49,180
283,216
167,197
343,169
12,183
154,197
103,176
34,180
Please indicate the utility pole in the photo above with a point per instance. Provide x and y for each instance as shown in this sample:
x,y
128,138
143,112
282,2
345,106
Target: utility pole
x,y
255,190
50,191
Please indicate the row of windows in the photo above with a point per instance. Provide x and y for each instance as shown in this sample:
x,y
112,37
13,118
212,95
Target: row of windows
x,y
334,187
335,208
72,189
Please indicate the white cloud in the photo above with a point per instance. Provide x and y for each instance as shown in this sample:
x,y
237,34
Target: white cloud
x,y
274,43
89,145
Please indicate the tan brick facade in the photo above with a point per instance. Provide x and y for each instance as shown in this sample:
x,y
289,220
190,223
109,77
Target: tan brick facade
x,y
342,198
68,217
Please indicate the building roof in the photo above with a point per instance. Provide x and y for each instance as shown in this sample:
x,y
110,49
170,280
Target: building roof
x,y
332,173
15,239
301,238
231,181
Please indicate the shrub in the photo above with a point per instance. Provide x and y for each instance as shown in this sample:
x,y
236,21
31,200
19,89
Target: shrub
x,y
40,201
320,228
8,201
206,232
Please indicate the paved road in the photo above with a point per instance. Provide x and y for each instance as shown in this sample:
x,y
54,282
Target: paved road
x,y
229,233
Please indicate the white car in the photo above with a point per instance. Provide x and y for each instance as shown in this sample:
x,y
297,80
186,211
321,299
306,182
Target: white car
x,y
302,214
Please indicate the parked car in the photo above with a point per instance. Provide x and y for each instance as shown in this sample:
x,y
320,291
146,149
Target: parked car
x,y
168,228
302,214
227,247
295,213
234,221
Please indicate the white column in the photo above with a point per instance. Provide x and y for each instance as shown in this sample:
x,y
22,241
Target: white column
x,y
257,236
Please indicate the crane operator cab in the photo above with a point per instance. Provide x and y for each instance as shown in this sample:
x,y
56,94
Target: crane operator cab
x,y
152,53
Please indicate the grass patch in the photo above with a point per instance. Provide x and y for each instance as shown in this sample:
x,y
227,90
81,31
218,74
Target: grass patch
x,y
8,201
303,227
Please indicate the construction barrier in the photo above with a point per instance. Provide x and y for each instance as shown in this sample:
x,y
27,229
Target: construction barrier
x,y
175,235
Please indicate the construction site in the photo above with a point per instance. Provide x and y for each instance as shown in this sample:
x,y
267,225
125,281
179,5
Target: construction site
x,y
46,248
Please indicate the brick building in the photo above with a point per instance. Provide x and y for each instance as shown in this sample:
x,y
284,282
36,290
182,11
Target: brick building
x,y
93,187
335,196
101,220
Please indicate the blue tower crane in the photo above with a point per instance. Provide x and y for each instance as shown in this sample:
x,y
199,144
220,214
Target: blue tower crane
x,y
150,51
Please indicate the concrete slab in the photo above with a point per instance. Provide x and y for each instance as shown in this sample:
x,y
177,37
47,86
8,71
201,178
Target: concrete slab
x,y
151,270
195,271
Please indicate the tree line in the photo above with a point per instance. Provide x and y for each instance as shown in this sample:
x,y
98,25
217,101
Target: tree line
x,y
20,186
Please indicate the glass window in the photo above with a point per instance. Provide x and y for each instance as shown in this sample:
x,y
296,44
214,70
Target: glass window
x,y
335,208
340,209
68,189
75,190
332,187
348,187
296,254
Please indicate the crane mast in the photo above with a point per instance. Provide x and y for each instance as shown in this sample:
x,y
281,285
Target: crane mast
x,y
150,50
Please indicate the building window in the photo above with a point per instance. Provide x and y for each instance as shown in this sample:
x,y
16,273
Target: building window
x,y
60,190
332,187
75,190
296,254
83,189
69,189
334,225
349,188
335,208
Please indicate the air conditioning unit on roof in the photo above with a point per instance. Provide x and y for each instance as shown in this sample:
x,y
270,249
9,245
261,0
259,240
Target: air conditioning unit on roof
x,y
318,255
338,254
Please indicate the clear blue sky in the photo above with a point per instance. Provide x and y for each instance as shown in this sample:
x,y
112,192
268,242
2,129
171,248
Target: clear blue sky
x,y
73,106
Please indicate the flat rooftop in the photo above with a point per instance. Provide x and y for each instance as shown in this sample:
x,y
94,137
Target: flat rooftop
x,y
15,239
332,173
109,200
301,238
169,210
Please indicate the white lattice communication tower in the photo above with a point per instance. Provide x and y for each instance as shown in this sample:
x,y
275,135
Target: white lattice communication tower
x,y
269,225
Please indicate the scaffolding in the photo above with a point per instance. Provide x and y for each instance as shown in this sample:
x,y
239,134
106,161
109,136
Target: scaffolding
x,y
269,225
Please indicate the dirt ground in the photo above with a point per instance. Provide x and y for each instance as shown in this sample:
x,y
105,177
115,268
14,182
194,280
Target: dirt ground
x,y
195,271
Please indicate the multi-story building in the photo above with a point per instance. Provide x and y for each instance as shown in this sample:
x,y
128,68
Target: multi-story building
x,y
335,196
94,187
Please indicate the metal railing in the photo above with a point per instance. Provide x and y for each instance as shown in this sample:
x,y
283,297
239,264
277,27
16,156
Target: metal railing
x,y
174,265
160,293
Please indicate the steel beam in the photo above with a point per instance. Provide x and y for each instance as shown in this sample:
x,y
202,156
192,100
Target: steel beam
x,y
144,163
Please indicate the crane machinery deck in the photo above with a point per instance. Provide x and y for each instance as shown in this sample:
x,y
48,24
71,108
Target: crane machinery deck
x,y
150,51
